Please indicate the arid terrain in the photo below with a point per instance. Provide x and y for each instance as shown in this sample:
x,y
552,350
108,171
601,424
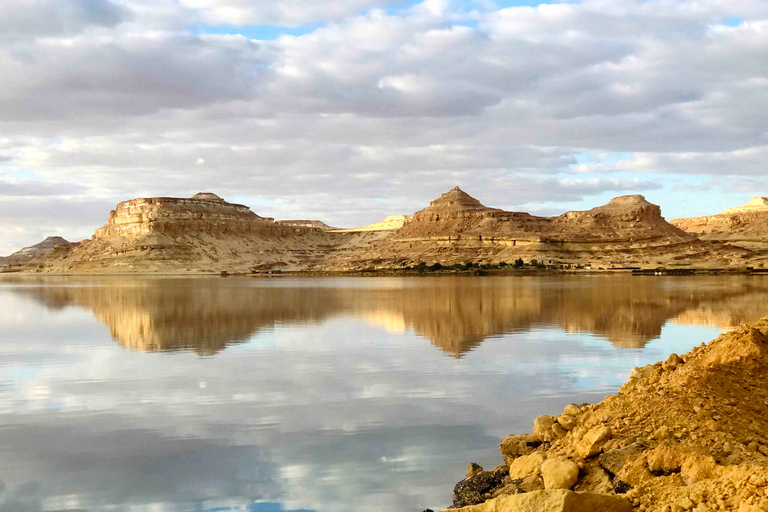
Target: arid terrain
x,y
685,434
206,234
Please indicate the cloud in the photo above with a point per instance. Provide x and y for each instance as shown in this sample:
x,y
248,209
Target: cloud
x,y
32,188
30,18
289,13
384,109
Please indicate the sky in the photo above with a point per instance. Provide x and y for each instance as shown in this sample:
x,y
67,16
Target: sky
x,y
351,110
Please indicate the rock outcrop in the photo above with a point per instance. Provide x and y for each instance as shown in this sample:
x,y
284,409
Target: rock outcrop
x,y
391,223
28,254
312,224
457,227
202,233
683,434
623,219
743,225
456,213
204,212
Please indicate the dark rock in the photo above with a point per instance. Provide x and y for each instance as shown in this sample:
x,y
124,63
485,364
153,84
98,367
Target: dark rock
x,y
621,486
473,490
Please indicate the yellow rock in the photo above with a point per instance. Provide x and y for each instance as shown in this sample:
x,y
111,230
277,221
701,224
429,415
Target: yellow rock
x,y
559,500
593,441
559,473
526,465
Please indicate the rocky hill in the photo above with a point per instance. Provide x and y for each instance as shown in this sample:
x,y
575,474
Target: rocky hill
x,y
27,254
745,225
457,227
458,213
203,233
623,219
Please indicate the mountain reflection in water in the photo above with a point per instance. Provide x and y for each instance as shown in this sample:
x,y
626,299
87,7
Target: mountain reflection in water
x,y
455,314
321,394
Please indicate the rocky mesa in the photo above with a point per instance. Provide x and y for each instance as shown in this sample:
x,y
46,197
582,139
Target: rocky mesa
x,y
746,226
204,233
627,231
685,434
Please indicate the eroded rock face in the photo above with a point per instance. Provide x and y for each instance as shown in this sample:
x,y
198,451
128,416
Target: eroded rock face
x,y
748,223
203,212
625,218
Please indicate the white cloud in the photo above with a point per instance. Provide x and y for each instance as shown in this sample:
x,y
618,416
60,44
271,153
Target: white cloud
x,y
122,100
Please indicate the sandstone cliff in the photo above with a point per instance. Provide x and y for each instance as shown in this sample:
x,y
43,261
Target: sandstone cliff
x,y
457,227
623,219
203,233
745,225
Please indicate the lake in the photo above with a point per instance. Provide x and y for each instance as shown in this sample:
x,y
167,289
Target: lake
x,y
309,394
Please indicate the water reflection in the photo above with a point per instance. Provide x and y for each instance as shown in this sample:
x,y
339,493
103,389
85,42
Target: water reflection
x,y
455,314
323,394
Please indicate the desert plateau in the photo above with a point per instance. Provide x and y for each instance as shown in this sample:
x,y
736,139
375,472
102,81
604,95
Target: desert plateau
x,y
206,234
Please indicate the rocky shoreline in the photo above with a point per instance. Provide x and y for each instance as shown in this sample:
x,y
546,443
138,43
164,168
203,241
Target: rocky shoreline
x,y
689,433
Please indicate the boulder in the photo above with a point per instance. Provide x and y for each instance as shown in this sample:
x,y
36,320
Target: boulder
x,y
526,465
542,428
567,421
593,441
559,473
559,500
519,444
478,487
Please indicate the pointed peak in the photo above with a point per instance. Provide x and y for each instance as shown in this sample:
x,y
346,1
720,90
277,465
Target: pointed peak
x,y
455,200
54,240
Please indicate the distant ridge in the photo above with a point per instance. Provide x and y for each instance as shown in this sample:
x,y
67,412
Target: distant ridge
x,y
743,225
205,233
32,252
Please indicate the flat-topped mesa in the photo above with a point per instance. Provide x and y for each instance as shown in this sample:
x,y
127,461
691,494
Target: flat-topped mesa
x,y
391,223
310,224
757,204
625,218
203,212
748,223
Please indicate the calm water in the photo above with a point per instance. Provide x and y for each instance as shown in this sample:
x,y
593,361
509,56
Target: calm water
x,y
341,394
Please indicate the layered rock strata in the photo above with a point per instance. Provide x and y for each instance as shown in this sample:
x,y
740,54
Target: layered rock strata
x,y
203,212
748,223
203,233
685,434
